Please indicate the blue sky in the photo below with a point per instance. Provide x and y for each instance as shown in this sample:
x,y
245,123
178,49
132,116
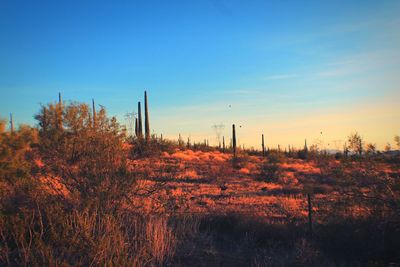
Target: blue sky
x,y
289,69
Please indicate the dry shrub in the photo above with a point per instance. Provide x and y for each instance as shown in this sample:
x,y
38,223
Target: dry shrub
x,y
189,174
142,148
288,178
292,208
270,172
185,155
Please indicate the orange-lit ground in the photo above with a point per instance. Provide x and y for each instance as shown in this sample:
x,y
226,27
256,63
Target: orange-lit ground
x,y
206,182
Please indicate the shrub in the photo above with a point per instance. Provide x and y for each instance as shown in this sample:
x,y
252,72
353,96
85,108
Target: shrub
x,y
89,158
153,147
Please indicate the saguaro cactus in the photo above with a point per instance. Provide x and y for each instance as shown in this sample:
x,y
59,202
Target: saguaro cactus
x,y
140,130
146,117
11,123
223,144
263,145
94,113
234,140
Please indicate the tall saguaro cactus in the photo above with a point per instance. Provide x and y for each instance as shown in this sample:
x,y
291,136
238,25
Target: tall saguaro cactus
x,y
136,127
94,113
11,123
140,131
146,117
262,145
223,144
234,140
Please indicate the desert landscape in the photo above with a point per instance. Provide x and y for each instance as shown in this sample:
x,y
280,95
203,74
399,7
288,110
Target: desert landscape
x,y
207,133
79,191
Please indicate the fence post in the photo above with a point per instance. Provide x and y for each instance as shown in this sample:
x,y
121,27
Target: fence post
x,y
310,226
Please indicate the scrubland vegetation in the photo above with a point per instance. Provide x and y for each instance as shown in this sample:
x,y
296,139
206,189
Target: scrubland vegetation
x,y
77,191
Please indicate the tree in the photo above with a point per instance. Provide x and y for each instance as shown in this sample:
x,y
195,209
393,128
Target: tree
x,y
355,143
388,147
397,140
370,148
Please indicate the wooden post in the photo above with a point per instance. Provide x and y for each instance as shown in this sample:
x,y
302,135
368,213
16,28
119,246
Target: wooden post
x,y
140,129
146,117
94,113
310,226
262,145
11,123
223,144
234,140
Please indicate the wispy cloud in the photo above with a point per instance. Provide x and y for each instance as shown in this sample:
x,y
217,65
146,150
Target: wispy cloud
x,y
280,77
361,62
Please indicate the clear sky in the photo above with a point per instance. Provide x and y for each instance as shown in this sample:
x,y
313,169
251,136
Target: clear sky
x,y
288,69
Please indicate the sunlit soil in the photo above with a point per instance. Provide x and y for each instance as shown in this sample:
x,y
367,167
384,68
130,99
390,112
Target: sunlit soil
x,y
207,182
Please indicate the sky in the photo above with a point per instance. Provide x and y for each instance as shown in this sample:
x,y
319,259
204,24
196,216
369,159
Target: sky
x,y
292,70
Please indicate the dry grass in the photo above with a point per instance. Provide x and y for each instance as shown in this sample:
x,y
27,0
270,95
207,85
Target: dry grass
x,y
200,203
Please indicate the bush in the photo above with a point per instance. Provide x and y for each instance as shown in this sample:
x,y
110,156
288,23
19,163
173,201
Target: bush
x,y
87,155
302,154
153,147
87,225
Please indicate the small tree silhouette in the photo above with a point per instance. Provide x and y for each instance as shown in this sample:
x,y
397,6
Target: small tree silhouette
x,y
355,143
